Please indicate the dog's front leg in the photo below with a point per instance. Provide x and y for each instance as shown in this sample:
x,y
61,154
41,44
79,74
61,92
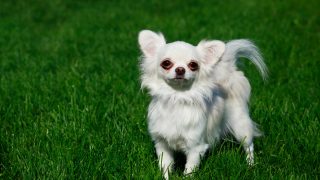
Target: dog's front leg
x,y
165,157
193,157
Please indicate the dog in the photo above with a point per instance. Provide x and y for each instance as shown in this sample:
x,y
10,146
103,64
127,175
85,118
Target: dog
x,y
198,95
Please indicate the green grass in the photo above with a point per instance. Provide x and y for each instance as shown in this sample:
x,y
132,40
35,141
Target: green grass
x,y
70,100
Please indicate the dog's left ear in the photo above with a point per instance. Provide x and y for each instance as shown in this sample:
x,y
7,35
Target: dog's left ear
x,y
211,51
150,42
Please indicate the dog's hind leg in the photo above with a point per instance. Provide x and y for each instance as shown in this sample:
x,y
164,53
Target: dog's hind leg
x,y
241,126
250,156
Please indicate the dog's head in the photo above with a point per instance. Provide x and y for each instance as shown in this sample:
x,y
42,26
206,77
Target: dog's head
x,y
179,64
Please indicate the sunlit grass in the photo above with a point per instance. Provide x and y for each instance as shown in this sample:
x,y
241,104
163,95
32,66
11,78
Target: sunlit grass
x,y
70,100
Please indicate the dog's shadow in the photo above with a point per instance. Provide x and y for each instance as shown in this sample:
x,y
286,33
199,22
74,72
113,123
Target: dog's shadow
x,y
225,145
180,161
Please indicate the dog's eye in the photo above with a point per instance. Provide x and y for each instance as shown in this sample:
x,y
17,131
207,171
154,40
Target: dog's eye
x,y
166,64
193,66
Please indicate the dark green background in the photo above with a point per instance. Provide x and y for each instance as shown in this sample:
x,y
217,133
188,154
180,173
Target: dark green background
x,y
70,100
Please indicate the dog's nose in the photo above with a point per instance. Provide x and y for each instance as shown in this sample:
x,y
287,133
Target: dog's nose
x,y
180,71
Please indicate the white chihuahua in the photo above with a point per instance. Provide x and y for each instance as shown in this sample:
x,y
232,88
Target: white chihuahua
x,y
198,94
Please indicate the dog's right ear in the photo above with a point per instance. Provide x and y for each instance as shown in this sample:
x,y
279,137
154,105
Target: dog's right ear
x,y
150,43
211,51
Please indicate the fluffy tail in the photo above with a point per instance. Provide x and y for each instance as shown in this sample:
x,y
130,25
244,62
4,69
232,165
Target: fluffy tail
x,y
244,48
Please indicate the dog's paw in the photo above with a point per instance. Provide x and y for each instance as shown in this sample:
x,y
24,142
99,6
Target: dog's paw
x,y
250,159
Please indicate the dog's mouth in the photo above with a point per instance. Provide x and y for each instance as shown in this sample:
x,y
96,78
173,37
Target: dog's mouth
x,y
179,78
180,83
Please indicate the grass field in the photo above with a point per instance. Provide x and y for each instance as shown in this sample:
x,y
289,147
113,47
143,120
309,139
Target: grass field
x,y
70,100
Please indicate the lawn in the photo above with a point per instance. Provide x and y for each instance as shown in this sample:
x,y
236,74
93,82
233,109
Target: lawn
x,y
70,100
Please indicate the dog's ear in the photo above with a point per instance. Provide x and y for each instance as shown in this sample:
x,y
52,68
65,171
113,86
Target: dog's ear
x,y
211,51
150,42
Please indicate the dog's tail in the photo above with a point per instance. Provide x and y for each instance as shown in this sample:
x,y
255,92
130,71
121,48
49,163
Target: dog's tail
x,y
244,48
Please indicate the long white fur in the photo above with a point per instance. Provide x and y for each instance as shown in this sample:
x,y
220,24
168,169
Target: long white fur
x,y
192,115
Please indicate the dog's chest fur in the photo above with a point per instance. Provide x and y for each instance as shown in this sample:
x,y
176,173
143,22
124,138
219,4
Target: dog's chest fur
x,y
180,125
